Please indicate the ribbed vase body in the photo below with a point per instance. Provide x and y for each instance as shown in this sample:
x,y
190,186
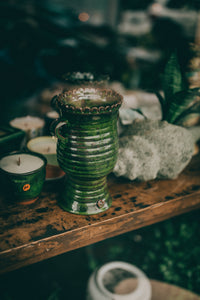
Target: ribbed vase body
x,y
87,152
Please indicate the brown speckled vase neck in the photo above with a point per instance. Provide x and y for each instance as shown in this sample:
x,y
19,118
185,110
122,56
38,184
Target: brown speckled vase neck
x,y
88,100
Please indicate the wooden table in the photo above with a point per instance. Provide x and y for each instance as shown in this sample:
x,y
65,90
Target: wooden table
x,y
165,291
29,234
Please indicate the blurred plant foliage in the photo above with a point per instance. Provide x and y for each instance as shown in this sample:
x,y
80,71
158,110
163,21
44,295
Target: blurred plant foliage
x,y
179,100
167,251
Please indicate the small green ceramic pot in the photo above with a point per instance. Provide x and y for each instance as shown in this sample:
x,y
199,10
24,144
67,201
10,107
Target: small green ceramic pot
x,y
87,147
23,176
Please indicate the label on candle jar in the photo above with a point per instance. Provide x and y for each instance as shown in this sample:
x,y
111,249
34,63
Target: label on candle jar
x,y
26,187
21,163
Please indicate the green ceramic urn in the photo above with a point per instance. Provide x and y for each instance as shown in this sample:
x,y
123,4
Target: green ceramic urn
x,y
87,147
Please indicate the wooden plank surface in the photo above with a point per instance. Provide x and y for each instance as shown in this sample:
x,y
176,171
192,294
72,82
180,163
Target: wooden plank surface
x,y
165,291
29,234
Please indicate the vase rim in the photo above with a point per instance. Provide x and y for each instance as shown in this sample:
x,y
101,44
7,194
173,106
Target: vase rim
x,y
89,100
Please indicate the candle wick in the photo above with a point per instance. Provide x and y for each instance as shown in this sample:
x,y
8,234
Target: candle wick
x,y
19,161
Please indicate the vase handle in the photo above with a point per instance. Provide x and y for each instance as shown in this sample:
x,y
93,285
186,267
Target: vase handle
x,y
55,129
54,102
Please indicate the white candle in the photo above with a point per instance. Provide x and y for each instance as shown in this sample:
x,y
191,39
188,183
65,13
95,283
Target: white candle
x,y
46,148
27,123
21,163
45,145
53,114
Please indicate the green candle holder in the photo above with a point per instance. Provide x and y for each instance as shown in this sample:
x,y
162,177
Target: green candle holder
x,y
87,147
22,176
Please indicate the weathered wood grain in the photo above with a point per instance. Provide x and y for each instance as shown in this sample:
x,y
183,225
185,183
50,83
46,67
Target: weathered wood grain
x,y
29,234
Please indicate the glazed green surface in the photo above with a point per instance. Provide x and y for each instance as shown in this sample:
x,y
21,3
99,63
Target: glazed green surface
x,y
89,147
87,151
15,185
85,196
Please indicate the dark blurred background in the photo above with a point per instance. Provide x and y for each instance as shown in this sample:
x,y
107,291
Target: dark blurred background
x,y
130,41
127,40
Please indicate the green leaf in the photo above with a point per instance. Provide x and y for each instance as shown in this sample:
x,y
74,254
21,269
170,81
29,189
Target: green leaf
x,y
173,79
181,102
138,110
162,103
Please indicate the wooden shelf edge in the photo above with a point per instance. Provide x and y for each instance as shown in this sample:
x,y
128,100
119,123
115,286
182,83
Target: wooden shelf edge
x,y
48,247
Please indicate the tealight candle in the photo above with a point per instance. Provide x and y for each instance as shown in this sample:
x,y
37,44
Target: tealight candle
x,y
46,145
24,174
33,126
21,163
52,114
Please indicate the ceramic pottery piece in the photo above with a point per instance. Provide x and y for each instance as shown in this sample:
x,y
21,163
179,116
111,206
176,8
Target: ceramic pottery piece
x,y
118,280
85,79
75,80
87,147
23,176
49,119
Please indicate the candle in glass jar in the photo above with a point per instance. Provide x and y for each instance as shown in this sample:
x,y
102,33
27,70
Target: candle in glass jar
x,y
52,114
27,123
33,126
23,176
45,145
21,163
